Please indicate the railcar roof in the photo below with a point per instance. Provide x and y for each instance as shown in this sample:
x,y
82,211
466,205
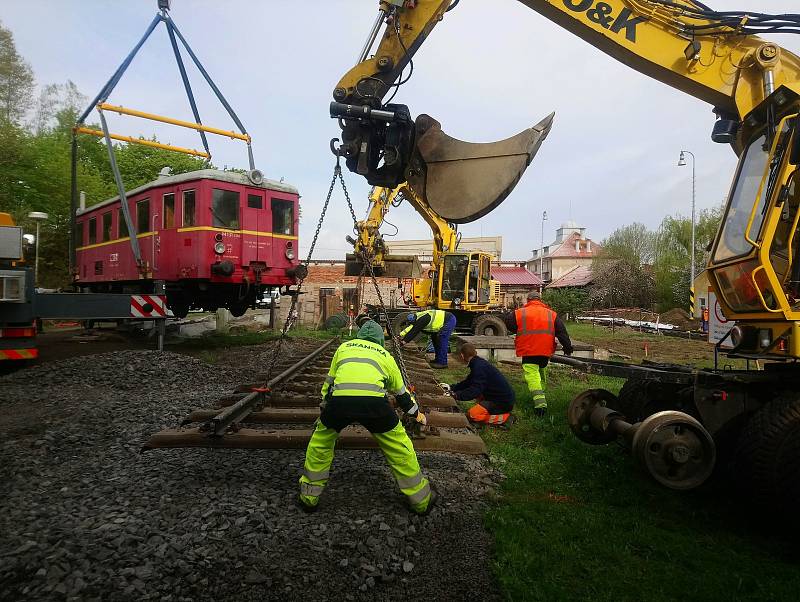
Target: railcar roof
x,y
231,177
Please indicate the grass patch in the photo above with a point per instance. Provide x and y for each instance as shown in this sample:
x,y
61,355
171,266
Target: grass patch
x,y
216,340
575,522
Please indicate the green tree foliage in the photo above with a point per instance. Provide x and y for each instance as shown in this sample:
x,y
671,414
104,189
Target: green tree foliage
x,y
16,80
36,158
567,302
640,268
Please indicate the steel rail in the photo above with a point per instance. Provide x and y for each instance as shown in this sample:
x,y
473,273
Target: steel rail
x,y
218,425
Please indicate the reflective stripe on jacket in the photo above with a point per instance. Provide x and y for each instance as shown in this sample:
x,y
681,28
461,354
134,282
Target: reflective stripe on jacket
x,y
363,368
536,333
437,317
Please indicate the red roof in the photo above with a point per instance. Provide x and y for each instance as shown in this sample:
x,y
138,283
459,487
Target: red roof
x,y
567,247
515,275
580,275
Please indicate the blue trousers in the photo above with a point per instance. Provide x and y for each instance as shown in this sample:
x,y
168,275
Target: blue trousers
x,y
441,339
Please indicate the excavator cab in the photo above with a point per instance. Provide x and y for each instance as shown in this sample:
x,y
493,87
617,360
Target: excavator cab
x,y
755,262
464,282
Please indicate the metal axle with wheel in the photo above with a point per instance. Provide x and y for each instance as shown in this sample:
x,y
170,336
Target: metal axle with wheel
x,y
671,446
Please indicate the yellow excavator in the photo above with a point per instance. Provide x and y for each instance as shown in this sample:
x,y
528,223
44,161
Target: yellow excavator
x,y
457,281
680,423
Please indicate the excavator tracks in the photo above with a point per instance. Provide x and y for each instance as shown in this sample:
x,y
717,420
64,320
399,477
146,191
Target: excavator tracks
x,y
281,415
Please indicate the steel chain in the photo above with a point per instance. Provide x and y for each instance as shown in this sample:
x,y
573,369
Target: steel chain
x,y
366,258
337,172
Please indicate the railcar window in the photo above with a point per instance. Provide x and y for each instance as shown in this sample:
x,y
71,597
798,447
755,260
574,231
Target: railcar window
x,y
79,228
92,230
188,209
123,225
106,227
169,210
282,217
225,209
143,216
254,201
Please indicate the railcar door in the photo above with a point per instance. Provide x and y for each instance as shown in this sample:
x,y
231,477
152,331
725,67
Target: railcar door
x,y
255,229
226,215
189,234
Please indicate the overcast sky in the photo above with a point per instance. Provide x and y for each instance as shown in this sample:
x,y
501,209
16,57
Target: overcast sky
x,y
489,70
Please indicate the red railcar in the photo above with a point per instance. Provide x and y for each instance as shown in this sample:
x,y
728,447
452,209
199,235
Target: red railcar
x,y
214,237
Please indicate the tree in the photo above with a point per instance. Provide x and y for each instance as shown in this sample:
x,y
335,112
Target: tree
x,y
16,80
634,243
621,273
568,303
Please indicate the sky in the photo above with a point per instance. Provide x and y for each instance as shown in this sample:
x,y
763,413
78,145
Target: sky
x,y
488,71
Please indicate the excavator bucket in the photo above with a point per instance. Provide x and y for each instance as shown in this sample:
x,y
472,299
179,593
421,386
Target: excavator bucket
x,y
463,181
393,266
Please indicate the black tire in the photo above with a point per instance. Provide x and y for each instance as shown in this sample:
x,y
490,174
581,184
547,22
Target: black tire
x,y
489,325
767,459
335,322
639,399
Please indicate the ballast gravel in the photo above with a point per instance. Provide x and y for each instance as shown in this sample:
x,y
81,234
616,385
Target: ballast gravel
x,y
85,516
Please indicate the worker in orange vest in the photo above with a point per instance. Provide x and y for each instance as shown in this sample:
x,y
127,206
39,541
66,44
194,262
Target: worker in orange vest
x,y
537,327
704,321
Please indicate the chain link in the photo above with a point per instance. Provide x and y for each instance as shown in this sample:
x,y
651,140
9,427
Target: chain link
x,y
366,258
337,173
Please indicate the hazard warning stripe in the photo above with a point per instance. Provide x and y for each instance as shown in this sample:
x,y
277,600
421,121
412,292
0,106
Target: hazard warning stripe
x,y
19,354
156,302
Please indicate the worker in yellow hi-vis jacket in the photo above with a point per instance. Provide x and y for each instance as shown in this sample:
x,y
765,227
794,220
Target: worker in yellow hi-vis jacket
x,y
361,374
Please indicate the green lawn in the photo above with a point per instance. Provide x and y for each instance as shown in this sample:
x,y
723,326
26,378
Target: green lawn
x,y
574,522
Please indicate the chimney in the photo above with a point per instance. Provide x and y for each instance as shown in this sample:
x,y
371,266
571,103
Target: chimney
x,y
578,245
83,200
588,245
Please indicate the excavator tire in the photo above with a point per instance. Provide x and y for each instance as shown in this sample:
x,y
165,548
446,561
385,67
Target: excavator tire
x,y
489,325
767,459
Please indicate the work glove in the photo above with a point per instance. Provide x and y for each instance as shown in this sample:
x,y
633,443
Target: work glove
x,y
421,419
446,387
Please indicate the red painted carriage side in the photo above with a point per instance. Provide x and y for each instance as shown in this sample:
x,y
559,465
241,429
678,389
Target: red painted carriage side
x,y
179,220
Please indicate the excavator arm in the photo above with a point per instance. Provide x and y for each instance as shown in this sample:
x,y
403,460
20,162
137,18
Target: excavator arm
x,y
370,241
713,56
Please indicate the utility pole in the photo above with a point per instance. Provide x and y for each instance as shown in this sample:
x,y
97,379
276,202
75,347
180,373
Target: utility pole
x,y
681,163
541,252
39,217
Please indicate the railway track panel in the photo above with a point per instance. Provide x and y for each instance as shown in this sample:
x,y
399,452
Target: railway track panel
x,y
280,414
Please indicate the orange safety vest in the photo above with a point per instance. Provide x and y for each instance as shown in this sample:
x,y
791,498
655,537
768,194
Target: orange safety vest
x,y
536,330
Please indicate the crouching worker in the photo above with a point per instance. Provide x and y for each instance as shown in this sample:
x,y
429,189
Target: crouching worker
x,y
485,384
361,373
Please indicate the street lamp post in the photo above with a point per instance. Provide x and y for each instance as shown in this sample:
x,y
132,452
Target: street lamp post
x,y
681,163
39,217
541,251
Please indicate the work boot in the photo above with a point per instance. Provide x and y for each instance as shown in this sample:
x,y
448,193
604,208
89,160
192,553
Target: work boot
x,y
507,424
304,507
437,366
432,503
540,412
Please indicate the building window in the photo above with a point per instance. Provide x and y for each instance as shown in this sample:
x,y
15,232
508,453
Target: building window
x,y
282,217
143,216
225,209
122,225
92,230
169,210
188,209
254,201
106,234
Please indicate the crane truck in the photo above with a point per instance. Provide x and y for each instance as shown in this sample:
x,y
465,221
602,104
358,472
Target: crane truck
x,y
681,423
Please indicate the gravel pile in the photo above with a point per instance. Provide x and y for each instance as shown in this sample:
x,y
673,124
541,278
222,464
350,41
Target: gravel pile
x,y
86,517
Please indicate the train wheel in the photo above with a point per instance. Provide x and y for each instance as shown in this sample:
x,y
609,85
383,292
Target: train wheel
x,y
238,307
768,454
179,306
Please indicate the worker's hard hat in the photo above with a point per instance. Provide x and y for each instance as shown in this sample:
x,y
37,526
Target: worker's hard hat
x,y
411,317
362,319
